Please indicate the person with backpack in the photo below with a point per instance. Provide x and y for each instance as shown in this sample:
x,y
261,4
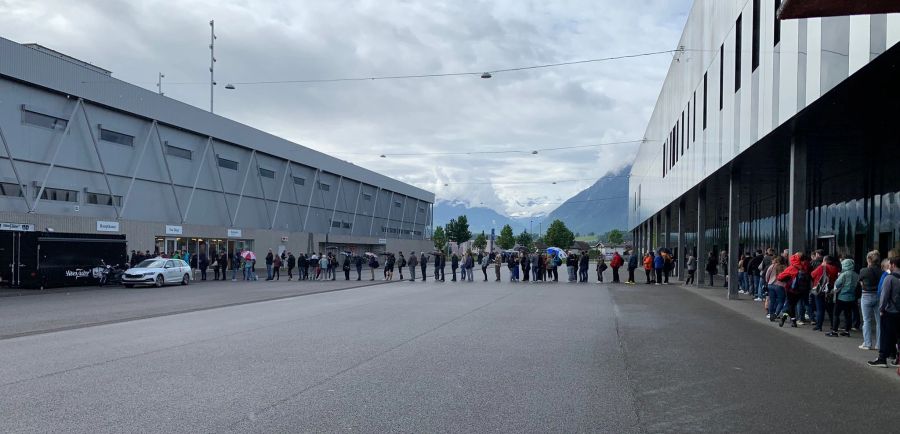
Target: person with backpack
x,y
844,298
691,269
601,267
668,265
423,262
868,281
413,263
889,308
632,265
552,268
389,267
776,288
615,263
401,264
796,277
373,265
823,278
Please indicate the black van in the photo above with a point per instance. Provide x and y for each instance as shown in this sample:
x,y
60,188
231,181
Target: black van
x,y
52,259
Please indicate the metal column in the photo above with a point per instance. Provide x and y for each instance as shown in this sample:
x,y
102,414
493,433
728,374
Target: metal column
x,y
682,253
334,209
734,226
701,236
797,204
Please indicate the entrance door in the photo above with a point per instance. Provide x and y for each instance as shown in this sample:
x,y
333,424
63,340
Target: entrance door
x,y
827,244
11,258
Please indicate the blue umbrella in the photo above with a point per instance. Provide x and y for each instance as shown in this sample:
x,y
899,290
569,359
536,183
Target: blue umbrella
x,y
556,251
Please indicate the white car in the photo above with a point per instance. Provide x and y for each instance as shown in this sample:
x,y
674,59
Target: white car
x,y
157,272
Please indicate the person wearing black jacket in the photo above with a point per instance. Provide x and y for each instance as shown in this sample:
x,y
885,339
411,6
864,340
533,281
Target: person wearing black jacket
x,y
423,262
753,269
583,267
269,260
632,265
712,267
526,266
358,261
235,265
454,264
203,262
291,263
346,267
401,263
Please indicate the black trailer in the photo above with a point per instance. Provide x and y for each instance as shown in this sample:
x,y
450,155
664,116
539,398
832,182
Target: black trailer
x,y
52,259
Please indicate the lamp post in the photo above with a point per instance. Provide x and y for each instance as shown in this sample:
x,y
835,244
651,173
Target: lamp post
x,y
212,61
159,83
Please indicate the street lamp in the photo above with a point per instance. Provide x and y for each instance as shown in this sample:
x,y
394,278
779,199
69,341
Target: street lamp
x,y
229,86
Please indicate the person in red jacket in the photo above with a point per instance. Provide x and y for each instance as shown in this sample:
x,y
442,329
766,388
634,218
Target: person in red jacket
x,y
797,280
616,262
823,304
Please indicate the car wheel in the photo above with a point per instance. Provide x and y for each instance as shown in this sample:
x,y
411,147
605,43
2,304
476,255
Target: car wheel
x,y
129,286
185,279
159,281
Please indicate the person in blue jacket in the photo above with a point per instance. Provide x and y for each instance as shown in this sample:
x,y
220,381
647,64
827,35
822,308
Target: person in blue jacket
x,y
658,264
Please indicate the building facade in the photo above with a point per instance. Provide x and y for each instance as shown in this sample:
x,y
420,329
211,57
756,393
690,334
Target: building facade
x,y
84,152
773,133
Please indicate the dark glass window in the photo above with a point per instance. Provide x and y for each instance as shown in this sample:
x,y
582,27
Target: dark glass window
x,y
59,195
102,199
398,204
41,120
299,181
705,97
228,164
737,52
114,137
266,173
178,152
323,186
367,196
722,77
694,125
777,23
8,189
754,59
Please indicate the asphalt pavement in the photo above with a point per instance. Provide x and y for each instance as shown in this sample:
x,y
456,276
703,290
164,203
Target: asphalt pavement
x,y
420,357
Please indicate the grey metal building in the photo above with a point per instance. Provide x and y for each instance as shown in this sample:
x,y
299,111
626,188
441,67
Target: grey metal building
x,y
773,133
85,152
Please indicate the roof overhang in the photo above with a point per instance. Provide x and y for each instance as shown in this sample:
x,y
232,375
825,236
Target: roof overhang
x,y
794,9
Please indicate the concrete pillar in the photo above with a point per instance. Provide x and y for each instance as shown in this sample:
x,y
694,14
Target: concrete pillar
x,y
701,236
734,200
797,201
667,227
682,254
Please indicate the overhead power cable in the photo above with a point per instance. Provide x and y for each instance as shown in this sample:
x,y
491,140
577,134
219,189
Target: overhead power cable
x,y
511,151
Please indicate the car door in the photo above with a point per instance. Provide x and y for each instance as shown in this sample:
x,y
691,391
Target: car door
x,y
172,271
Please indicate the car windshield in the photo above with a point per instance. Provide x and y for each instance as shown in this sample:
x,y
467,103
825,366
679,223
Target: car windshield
x,y
152,263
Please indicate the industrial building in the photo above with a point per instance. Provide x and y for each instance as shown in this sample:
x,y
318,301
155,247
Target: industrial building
x,y
774,132
84,152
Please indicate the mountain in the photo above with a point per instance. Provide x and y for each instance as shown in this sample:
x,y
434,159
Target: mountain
x,y
480,219
598,208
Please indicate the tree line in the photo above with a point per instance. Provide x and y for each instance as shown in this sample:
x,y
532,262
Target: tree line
x,y
457,231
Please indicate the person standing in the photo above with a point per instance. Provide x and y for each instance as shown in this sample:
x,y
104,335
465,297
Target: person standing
x,y
401,264
535,267
291,263
583,263
269,260
553,267
454,264
423,262
871,319
484,261
571,263
601,267
235,265
345,266
889,308
615,263
659,263
413,263
202,264
691,269
776,288
632,265
712,267
470,267
323,266
797,285
648,266
215,266
526,266
754,268
373,265
498,262
723,261
276,267
844,298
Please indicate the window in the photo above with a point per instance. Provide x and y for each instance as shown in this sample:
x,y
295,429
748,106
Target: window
x,y
737,52
335,224
59,195
178,152
299,181
367,196
777,23
9,189
102,199
398,204
266,173
754,59
422,210
229,164
679,132
705,97
114,137
722,77
41,120
323,186
694,126
346,225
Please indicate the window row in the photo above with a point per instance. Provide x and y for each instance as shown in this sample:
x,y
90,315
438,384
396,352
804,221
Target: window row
x,y
390,230
684,132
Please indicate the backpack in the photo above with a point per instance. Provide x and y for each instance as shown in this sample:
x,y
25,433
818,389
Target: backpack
x,y
557,262
823,285
801,283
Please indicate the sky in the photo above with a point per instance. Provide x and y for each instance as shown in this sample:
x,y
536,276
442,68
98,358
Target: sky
x,y
588,104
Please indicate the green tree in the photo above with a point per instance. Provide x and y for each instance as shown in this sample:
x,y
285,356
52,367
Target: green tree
x,y
480,241
506,240
615,237
440,238
558,235
525,240
458,230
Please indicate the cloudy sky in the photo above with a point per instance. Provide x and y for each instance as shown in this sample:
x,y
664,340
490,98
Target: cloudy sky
x,y
282,40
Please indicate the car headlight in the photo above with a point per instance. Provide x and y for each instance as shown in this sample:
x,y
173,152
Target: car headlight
x,y
148,274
